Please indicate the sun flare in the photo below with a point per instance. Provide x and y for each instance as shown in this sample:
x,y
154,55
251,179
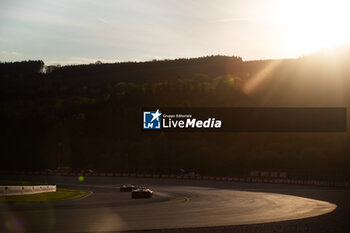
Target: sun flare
x,y
313,25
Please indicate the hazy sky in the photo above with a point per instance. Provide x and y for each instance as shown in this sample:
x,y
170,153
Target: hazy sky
x,y
83,31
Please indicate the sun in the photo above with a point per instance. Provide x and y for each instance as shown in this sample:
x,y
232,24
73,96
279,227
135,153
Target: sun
x,y
311,25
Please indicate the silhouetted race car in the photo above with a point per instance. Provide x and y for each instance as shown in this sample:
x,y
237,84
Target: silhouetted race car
x,y
127,187
141,193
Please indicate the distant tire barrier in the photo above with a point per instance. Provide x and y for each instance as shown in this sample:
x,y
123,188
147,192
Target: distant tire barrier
x,y
9,190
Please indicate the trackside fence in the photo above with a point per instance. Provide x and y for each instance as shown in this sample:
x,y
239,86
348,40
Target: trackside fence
x,y
271,180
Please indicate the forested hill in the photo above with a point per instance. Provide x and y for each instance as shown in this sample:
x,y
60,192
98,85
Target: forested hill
x,y
153,71
87,116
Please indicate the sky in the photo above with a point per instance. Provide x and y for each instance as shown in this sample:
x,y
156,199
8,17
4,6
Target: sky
x,y
84,31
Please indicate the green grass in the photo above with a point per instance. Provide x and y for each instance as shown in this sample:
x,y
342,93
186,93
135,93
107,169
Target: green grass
x,y
61,194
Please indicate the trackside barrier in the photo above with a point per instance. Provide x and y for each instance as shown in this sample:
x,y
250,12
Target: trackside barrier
x,y
272,180
11,190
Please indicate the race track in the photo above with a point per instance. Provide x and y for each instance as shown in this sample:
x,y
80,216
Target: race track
x,y
176,204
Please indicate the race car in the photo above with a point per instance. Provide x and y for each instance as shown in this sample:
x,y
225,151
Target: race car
x,y
141,193
127,188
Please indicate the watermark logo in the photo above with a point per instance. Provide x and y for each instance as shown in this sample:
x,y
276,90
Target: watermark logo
x,y
210,119
152,119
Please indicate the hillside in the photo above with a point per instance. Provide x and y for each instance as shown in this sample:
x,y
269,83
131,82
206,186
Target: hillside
x,y
87,116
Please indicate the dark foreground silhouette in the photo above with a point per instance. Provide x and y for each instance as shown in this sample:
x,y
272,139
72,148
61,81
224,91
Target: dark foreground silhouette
x,y
87,116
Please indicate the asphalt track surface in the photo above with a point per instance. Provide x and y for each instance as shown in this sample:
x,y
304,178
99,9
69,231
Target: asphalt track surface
x,y
180,206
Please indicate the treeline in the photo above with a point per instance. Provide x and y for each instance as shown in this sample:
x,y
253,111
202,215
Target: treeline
x,y
20,69
88,116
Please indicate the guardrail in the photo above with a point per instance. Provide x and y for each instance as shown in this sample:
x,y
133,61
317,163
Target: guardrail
x,y
341,184
10,190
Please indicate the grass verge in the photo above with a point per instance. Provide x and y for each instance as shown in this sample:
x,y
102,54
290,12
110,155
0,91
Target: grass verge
x,y
61,194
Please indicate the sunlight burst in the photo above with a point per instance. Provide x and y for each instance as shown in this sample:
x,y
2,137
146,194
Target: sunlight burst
x,y
315,24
